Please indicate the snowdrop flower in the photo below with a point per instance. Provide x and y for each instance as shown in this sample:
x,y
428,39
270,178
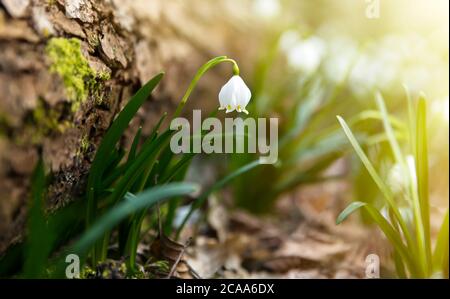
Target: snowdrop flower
x,y
341,55
306,55
234,95
440,107
288,40
267,8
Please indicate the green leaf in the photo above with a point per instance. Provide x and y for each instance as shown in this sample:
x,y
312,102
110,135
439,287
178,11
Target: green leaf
x,y
114,160
389,131
38,244
110,140
349,210
411,121
134,145
390,233
422,173
399,266
142,181
147,156
177,168
440,254
376,115
114,216
387,195
422,248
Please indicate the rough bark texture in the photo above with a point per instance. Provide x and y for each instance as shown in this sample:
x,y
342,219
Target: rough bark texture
x,y
123,44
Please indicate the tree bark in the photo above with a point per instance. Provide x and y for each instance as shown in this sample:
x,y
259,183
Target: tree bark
x,y
123,44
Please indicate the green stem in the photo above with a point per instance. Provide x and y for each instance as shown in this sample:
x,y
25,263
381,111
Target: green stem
x,y
210,64
134,240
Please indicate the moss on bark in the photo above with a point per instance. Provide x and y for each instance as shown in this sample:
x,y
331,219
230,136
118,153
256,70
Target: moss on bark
x,y
69,62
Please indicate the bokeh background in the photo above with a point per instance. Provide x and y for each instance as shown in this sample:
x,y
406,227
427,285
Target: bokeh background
x,y
305,62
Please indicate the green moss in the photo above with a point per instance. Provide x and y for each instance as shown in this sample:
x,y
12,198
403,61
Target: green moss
x,y
78,77
84,145
87,272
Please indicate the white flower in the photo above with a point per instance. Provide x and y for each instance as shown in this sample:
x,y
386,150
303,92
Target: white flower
x,y
440,108
342,52
288,40
267,8
234,95
306,55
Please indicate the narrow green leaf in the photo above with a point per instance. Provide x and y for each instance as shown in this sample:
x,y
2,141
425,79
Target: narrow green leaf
x,y
110,139
440,254
389,131
39,240
422,249
387,195
114,160
384,225
349,210
134,145
411,121
422,173
146,157
179,166
399,265
376,115
125,208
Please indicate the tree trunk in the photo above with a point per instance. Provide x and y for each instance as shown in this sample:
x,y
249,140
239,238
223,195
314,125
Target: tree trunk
x,y
68,66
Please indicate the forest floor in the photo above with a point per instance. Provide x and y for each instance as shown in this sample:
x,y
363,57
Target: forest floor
x,y
299,240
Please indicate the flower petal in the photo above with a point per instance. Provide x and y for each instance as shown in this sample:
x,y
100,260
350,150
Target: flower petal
x,y
226,94
234,95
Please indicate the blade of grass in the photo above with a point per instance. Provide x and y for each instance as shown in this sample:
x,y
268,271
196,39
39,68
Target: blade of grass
x,y
143,162
411,121
422,174
114,160
389,131
109,141
134,145
376,178
399,265
179,166
38,244
141,183
383,224
440,254
422,248
349,210
177,175
114,216
145,157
